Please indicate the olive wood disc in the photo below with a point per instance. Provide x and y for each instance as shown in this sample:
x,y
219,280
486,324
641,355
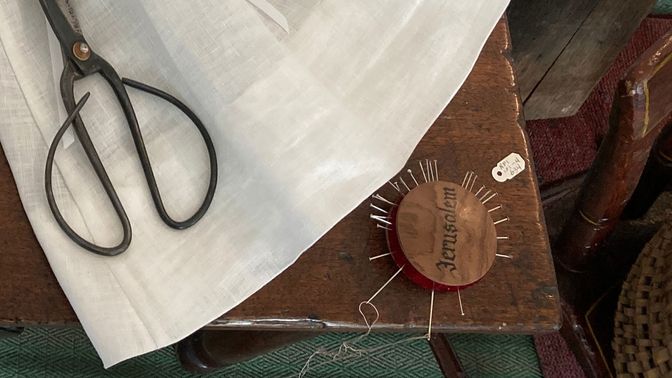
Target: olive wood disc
x,y
446,234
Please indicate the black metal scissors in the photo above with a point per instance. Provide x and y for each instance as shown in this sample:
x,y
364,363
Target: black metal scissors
x,y
80,61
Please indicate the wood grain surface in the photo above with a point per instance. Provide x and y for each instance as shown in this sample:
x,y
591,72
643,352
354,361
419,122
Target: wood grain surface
x,y
540,30
563,48
446,233
323,288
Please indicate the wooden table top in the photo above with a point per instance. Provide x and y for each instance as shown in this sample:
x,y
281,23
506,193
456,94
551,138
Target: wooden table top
x,y
323,289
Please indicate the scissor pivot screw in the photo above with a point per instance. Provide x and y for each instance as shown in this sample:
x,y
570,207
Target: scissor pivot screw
x,y
81,51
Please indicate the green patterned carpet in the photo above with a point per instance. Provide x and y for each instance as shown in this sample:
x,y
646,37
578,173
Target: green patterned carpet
x,y
42,352
663,7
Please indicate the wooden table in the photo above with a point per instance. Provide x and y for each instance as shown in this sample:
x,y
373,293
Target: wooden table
x,y
322,290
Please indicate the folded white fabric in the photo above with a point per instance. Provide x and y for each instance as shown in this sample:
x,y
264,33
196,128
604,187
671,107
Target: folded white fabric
x,y
306,123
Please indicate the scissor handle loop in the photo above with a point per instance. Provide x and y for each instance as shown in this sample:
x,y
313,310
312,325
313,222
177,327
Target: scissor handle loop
x,y
144,158
104,179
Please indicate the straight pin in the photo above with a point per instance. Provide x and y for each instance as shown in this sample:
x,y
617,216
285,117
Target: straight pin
x,y
502,238
404,182
436,170
379,256
459,299
431,312
473,182
464,180
504,256
381,198
377,208
396,186
501,220
429,170
485,195
470,175
380,218
410,172
489,198
383,227
423,171
495,208
386,283
479,190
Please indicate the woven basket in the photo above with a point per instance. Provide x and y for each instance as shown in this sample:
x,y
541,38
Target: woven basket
x,y
642,331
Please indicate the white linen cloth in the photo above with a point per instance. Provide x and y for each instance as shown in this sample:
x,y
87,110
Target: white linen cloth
x,y
306,123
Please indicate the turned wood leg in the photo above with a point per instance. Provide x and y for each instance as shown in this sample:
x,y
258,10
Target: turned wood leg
x,y
655,178
208,350
446,357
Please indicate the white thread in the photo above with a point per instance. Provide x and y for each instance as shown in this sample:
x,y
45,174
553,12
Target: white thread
x,y
347,349
495,208
377,208
386,283
472,183
347,345
505,256
383,227
381,198
404,182
502,238
423,170
410,172
379,256
489,198
459,299
501,220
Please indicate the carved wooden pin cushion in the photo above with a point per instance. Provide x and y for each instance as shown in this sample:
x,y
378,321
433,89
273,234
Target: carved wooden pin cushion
x,y
442,236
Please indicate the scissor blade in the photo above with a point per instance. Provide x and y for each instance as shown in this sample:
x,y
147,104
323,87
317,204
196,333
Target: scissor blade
x,y
69,13
63,21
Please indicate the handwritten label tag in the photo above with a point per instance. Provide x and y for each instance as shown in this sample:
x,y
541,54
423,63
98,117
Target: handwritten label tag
x,y
508,167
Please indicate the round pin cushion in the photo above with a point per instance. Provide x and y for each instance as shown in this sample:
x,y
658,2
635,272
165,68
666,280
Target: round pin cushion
x,y
442,236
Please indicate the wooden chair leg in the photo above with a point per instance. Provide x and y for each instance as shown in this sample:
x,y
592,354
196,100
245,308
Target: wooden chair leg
x,y
209,350
640,113
446,357
655,178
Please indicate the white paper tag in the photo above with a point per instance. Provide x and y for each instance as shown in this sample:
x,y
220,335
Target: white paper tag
x,y
508,167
